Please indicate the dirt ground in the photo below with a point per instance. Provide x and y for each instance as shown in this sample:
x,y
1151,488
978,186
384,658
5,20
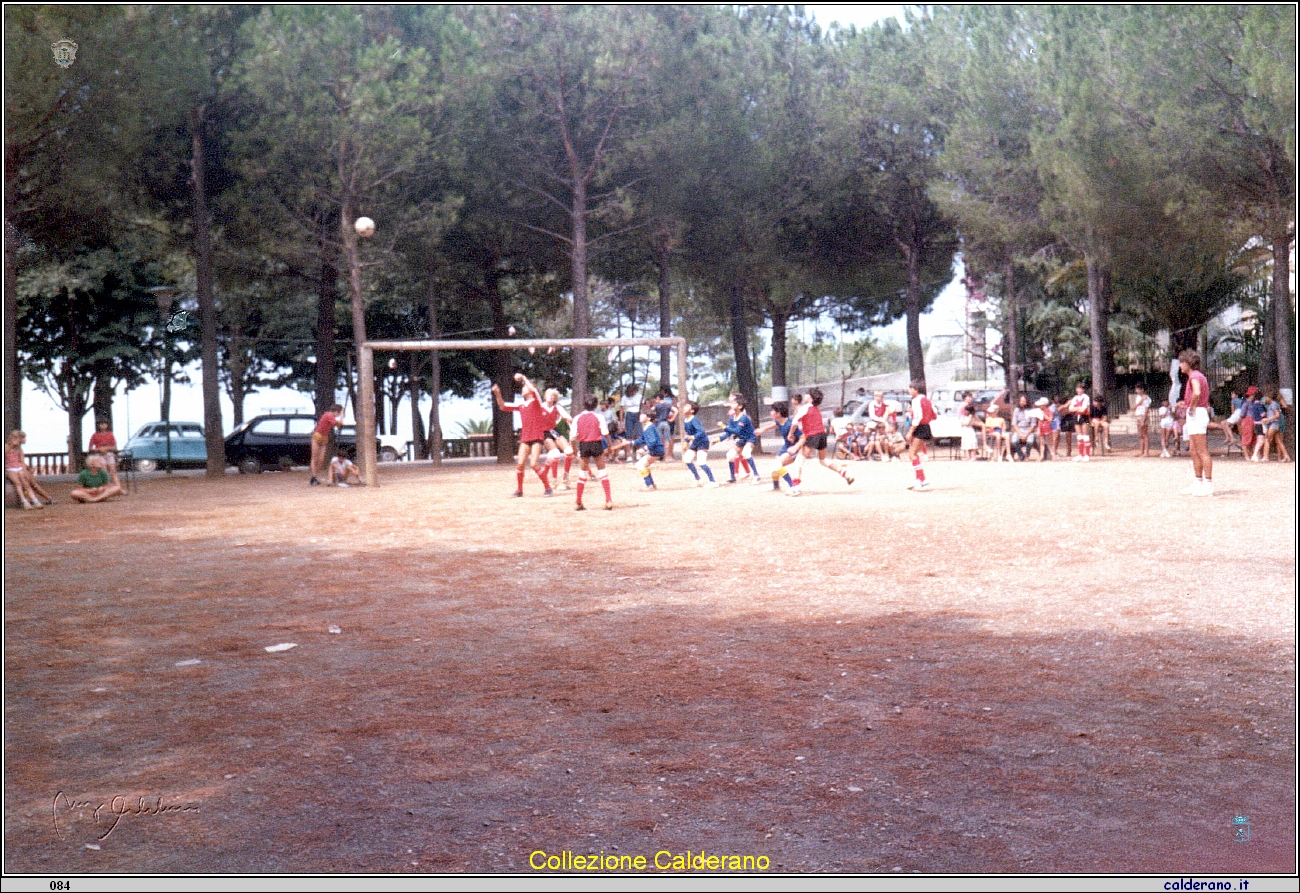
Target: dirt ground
x,y
1034,668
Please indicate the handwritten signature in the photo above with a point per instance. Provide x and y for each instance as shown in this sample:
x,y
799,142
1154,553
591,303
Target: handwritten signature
x,y
109,813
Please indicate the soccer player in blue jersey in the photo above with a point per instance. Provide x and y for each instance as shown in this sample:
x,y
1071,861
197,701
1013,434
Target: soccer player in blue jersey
x,y
742,451
697,446
792,444
654,449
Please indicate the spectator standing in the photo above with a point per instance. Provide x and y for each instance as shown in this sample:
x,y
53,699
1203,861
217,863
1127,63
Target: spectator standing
x,y
1166,428
105,444
631,406
1142,415
1197,397
1274,426
966,419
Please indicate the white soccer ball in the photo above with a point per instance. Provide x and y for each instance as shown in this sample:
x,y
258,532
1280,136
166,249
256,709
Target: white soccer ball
x,y
365,227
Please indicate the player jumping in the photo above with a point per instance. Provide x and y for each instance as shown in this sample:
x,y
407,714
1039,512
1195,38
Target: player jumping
x,y
532,433
810,421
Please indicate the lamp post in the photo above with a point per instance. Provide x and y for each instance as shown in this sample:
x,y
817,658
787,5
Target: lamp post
x,y
164,295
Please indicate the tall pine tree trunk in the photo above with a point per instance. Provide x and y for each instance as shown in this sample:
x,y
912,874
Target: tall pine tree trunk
x,y
102,402
75,390
418,446
213,435
915,351
581,308
1011,352
1281,310
327,294
740,345
1098,325
13,380
435,378
780,322
665,317
503,423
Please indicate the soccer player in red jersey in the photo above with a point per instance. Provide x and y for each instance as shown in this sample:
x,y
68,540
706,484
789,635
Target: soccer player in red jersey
x,y
590,430
1081,408
532,433
919,436
809,419
552,412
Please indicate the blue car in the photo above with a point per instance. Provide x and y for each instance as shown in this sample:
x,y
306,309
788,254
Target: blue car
x,y
148,448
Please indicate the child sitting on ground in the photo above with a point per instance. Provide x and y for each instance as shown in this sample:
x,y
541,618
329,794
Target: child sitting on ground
x,y
342,470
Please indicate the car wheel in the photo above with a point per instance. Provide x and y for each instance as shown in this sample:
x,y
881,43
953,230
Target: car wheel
x,y
285,463
146,465
388,454
250,466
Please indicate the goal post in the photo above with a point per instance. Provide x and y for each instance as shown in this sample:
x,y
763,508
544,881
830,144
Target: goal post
x,y
367,455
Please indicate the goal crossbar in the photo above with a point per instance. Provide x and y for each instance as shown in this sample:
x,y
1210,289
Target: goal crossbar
x,y
367,454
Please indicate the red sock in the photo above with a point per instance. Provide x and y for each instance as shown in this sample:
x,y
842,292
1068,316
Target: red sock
x,y
604,484
920,473
519,476
582,481
553,468
541,473
568,462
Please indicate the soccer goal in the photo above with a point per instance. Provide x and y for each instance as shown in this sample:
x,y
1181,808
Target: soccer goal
x,y
367,455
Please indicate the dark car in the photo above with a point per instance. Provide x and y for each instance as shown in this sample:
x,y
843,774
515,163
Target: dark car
x,y
281,441
271,441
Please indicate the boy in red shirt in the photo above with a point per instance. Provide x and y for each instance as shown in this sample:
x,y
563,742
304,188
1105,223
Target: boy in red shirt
x,y
320,439
104,443
590,431
531,434
919,437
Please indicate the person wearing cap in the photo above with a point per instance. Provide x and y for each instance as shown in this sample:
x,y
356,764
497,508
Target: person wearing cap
x,y
1196,396
1045,416
1142,415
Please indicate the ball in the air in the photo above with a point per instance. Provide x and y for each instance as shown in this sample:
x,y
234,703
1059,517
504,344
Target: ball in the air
x,y
365,227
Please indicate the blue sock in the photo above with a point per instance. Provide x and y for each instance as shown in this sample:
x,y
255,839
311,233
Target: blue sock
x,y
753,466
731,464
649,480
789,483
691,466
708,471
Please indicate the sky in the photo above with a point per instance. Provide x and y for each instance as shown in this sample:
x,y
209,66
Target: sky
x,y
47,425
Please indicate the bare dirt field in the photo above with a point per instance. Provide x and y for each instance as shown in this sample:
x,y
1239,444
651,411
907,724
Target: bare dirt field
x,y
1034,668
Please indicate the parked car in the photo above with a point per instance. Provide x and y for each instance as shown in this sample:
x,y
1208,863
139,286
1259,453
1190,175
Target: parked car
x,y
283,440
148,446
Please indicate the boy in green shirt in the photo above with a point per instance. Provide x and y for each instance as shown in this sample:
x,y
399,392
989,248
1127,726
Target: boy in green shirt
x,y
95,484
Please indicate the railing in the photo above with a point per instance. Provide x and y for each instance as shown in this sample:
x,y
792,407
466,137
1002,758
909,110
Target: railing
x,y
47,463
476,446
